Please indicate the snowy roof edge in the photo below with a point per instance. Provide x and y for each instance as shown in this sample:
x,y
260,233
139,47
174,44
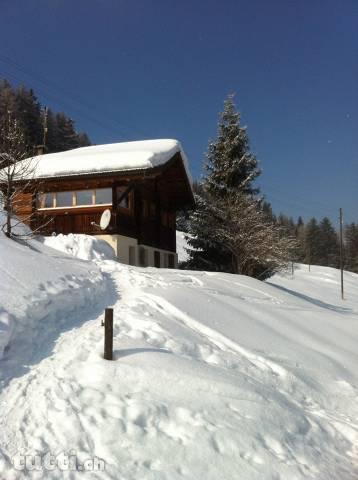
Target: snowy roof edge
x,y
110,158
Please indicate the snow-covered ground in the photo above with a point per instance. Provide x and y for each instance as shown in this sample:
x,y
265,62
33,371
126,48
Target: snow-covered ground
x,y
37,281
214,376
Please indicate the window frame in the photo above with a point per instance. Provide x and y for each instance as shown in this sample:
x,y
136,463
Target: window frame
x,y
74,199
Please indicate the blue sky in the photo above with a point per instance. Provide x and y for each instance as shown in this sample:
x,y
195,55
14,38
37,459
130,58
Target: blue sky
x,y
127,70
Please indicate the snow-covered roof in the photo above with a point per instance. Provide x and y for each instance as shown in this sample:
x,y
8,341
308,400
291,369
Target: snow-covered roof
x,y
113,157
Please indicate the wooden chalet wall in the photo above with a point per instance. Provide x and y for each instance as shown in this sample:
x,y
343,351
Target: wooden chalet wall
x,y
154,198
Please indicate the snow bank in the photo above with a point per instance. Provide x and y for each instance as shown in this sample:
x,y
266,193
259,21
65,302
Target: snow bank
x,y
38,282
18,227
85,247
6,328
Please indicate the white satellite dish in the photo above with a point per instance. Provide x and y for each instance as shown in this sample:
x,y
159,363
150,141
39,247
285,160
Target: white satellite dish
x,y
105,219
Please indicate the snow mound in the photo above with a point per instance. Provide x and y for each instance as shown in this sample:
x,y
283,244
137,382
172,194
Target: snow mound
x,y
39,283
85,247
18,228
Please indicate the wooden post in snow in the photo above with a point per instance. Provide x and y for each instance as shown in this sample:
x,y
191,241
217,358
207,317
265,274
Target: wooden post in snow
x,y
108,334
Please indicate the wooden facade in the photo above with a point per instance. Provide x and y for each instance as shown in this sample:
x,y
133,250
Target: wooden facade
x,y
143,204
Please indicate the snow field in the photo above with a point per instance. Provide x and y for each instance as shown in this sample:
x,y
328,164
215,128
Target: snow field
x,y
214,376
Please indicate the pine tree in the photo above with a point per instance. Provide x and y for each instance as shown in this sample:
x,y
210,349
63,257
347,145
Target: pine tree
x,y
83,140
230,167
7,101
267,210
183,215
28,113
229,231
351,247
206,251
230,164
66,134
300,239
311,242
328,244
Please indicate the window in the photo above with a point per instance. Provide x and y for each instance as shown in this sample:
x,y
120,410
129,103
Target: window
x,y
45,200
84,197
104,196
64,199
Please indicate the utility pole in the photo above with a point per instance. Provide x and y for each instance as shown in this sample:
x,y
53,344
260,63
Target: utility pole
x,y
45,128
341,249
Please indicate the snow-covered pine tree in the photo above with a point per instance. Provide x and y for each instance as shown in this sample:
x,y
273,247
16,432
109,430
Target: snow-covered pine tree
x,y
205,249
230,229
183,216
230,164
231,167
259,247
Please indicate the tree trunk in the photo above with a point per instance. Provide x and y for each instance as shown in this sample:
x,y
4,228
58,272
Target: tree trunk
x,y
7,208
8,224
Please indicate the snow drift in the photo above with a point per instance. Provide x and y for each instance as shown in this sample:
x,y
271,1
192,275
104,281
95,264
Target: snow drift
x,y
37,281
85,247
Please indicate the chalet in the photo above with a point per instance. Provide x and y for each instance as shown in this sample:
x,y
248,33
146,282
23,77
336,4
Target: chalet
x,y
141,183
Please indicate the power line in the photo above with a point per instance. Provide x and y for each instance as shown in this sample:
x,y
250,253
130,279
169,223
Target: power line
x,y
49,85
51,97
318,203
299,205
